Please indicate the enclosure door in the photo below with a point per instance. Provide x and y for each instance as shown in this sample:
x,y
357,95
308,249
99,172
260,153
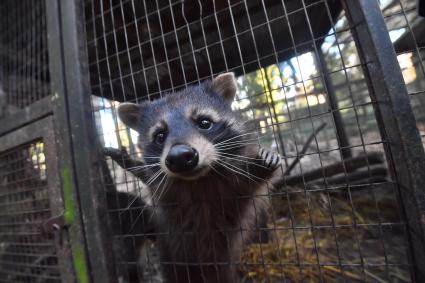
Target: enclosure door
x,y
33,237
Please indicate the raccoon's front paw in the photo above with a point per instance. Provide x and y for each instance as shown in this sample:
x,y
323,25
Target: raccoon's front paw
x,y
115,153
269,159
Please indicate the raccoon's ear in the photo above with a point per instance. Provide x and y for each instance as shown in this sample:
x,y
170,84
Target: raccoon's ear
x,y
129,114
225,86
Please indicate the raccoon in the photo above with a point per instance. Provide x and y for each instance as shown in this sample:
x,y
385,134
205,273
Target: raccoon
x,y
207,175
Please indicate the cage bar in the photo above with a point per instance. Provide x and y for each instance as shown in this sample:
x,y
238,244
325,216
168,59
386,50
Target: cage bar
x,y
88,244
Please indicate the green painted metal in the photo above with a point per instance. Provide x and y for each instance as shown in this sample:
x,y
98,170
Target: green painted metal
x,y
77,249
80,263
68,196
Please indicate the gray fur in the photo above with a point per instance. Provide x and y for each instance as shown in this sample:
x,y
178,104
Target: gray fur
x,y
203,224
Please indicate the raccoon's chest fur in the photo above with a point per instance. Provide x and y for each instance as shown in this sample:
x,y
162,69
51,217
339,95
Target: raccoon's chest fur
x,y
209,221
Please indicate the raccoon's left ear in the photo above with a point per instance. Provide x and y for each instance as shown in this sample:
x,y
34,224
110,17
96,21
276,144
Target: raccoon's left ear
x,y
129,114
225,86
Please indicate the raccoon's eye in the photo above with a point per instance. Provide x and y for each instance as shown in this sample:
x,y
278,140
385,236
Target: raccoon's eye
x,y
205,123
160,138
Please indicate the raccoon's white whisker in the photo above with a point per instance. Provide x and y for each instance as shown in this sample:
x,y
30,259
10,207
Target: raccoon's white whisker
x,y
168,183
162,192
238,142
166,177
246,172
234,158
235,170
229,126
244,139
130,204
137,218
136,197
235,142
237,155
160,182
240,171
154,193
152,179
165,185
236,145
235,137
221,163
143,166
158,188
151,157
153,176
216,171
243,161
139,169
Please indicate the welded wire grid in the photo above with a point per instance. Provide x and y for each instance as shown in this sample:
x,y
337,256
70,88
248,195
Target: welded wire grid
x,y
25,255
297,71
24,73
407,31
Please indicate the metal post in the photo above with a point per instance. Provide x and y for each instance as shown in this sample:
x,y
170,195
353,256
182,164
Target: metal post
x,y
3,98
404,150
343,141
85,203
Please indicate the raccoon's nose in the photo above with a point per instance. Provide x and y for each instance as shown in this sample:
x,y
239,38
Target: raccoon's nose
x,y
181,158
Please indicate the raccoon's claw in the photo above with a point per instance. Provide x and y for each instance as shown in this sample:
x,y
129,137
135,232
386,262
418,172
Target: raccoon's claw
x,y
269,159
115,153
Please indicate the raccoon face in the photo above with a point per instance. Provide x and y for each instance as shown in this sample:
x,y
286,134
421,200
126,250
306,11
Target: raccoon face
x,y
180,131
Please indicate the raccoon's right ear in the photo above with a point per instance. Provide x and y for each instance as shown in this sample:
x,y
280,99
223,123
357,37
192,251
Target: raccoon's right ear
x,y
129,114
225,86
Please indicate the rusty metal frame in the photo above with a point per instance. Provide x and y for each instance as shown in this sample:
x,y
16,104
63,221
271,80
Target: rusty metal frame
x,y
80,162
44,130
36,111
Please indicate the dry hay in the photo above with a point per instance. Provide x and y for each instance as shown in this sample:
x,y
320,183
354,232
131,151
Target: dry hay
x,y
345,230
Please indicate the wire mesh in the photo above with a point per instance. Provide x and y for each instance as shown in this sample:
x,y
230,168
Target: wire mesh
x,y
25,255
24,72
407,33
301,83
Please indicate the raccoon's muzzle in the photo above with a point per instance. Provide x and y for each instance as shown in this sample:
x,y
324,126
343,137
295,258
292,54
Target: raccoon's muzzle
x,y
181,158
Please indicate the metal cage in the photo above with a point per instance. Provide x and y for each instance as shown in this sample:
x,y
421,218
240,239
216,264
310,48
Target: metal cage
x,y
336,87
